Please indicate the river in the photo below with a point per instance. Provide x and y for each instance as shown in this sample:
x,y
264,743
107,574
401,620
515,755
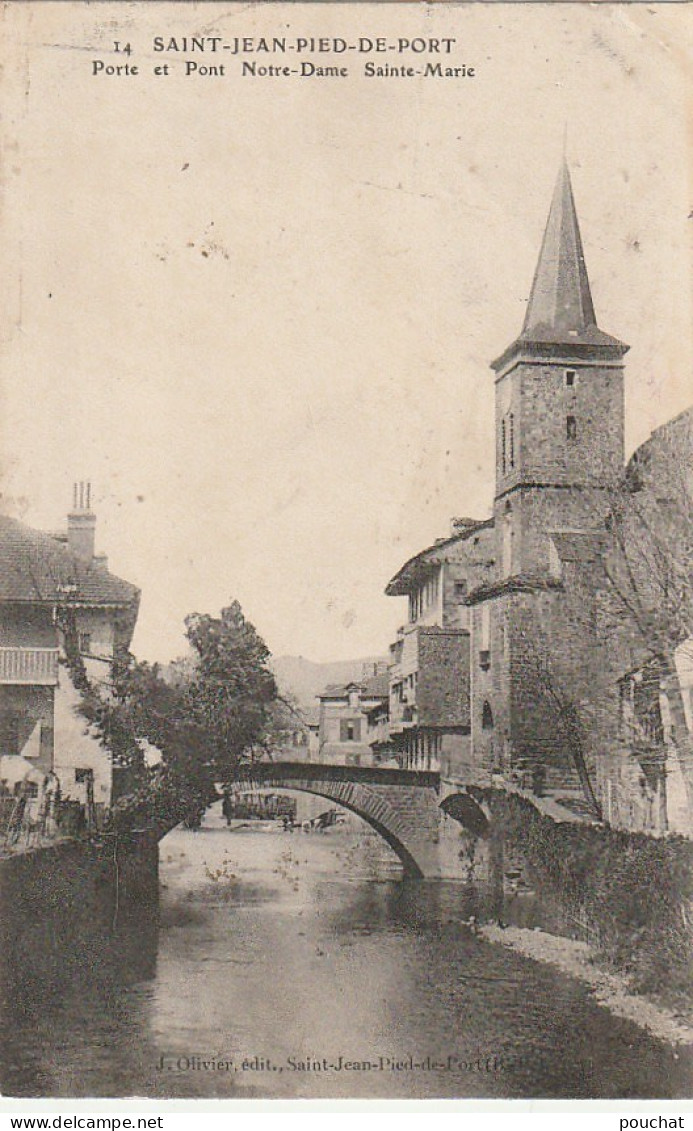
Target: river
x,y
294,965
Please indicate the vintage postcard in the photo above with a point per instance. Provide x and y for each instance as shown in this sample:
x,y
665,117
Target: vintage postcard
x,y
346,544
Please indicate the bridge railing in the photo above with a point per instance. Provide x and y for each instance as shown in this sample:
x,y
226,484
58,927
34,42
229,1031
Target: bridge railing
x,y
327,771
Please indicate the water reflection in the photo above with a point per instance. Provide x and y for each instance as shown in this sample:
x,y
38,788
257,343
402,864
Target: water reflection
x,y
288,953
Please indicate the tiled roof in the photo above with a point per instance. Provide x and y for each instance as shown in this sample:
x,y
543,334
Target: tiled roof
x,y
417,568
35,567
374,687
518,583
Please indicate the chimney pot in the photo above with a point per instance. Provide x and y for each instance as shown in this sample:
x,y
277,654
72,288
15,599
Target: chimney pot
x,y
81,523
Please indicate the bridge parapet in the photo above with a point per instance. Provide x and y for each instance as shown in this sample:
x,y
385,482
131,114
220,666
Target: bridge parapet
x,y
330,772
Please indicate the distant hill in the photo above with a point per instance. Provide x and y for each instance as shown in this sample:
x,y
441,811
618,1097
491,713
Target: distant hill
x,y
304,678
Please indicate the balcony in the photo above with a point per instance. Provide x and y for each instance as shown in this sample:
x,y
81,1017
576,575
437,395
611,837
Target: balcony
x,y
33,666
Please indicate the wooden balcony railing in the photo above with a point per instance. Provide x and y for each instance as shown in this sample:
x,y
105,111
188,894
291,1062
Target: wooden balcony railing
x,y
29,666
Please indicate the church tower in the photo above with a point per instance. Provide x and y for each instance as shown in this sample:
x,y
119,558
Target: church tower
x,y
559,403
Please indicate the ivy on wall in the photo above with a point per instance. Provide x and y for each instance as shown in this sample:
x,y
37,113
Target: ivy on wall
x,y
635,890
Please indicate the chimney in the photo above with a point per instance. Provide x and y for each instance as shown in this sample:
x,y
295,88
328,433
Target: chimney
x,y
459,525
81,523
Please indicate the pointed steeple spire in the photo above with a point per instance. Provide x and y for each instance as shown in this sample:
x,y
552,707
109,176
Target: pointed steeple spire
x,y
560,314
560,302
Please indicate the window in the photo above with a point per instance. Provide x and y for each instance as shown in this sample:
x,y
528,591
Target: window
x,y
508,442
487,717
571,428
570,376
508,535
350,730
85,643
461,589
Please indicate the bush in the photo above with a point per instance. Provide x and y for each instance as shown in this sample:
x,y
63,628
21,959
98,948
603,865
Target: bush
x,y
636,890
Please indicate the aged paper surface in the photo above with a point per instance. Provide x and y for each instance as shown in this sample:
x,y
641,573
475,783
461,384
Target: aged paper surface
x,y
258,259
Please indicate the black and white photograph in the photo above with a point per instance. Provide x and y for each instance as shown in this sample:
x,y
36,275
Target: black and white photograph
x,y
346,552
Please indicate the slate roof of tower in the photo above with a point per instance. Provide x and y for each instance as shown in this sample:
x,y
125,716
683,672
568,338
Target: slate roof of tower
x,y
35,567
560,310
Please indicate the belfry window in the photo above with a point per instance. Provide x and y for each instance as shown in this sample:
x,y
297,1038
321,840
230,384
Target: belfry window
x,y
508,443
570,428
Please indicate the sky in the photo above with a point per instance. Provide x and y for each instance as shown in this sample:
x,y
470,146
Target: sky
x,y
258,314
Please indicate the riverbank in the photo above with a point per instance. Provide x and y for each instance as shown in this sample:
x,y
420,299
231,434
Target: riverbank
x,y
610,990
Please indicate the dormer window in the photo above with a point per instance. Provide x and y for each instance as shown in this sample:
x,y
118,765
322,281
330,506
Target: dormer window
x,y
570,376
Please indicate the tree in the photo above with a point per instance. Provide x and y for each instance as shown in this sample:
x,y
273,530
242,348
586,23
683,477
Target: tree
x,y
232,689
567,718
207,718
284,721
562,691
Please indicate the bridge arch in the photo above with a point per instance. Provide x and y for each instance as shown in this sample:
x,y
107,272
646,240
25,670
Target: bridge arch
x,y
400,805
468,812
363,805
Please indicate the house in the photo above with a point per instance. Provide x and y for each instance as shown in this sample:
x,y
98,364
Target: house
x,y
58,599
429,689
343,729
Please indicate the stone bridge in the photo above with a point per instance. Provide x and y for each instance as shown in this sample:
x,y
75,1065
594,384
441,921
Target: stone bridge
x,y
408,808
403,806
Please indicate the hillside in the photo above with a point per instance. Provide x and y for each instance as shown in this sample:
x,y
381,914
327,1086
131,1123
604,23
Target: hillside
x,y
305,678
